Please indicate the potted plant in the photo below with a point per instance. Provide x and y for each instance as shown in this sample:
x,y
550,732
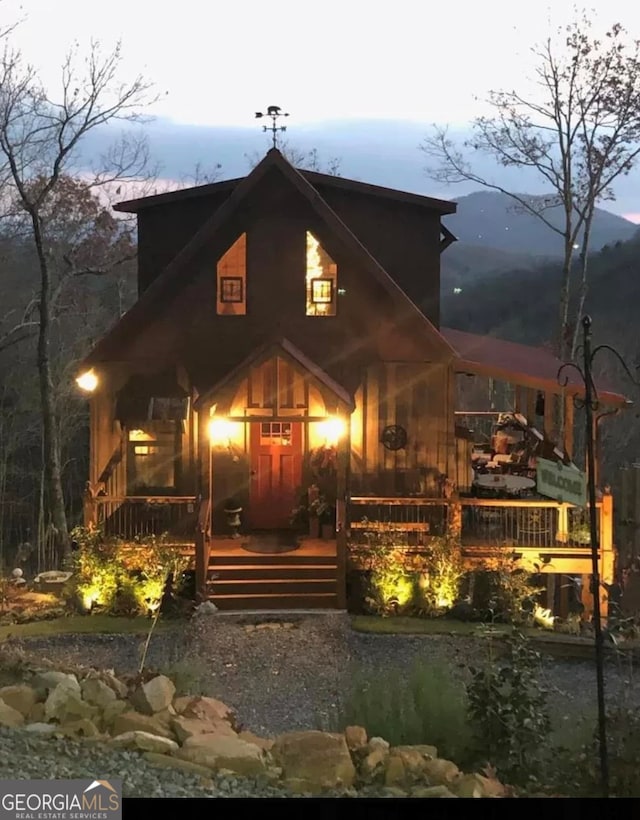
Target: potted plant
x,y
232,510
325,513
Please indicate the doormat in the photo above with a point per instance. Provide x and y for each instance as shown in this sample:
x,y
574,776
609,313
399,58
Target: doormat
x,y
271,543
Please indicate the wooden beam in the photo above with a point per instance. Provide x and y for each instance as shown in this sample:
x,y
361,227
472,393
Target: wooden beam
x,y
342,467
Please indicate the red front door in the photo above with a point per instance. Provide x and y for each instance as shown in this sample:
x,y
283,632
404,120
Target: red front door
x,y
276,472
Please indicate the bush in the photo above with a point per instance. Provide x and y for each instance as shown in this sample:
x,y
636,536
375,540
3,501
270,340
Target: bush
x,y
119,578
400,581
507,707
428,705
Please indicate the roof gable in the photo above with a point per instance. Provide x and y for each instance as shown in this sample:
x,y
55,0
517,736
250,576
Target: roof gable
x,y
282,347
151,300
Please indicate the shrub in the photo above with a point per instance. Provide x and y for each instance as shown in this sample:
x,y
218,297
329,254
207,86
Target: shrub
x,y
424,580
427,705
507,707
119,578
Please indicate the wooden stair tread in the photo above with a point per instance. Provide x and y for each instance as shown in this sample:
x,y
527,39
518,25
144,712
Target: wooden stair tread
x,y
271,595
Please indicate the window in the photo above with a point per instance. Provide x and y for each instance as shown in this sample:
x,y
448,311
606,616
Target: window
x,y
322,291
152,457
321,280
231,289
231,298
276,433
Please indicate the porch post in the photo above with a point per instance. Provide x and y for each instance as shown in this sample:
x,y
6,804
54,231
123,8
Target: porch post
x,y
607,555
342,466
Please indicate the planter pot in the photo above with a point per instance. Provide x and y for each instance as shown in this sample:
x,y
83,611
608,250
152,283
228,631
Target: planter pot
x,y
314,527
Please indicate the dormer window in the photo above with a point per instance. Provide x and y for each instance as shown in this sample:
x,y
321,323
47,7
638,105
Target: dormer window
x,y
232,280
321,280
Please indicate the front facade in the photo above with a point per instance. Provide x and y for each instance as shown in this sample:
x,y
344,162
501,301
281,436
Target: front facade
x,y
284,369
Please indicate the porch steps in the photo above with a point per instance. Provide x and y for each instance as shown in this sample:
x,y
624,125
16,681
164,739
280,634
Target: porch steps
x,y
277,581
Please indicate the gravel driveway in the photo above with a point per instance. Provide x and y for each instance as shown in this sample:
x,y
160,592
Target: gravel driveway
x,y
292,675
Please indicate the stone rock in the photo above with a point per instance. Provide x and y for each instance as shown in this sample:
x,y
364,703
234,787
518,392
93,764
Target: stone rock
x,y
20,697
414,757
121,689
111,712
318,759
166,716
205,608
209,709
395,774
377,743
441,772
395,791
431,791
475,785
373,763
145,741
221,752
170,762
265,743
356,737
426,752
45,682
80,728
41,728
182,702
184,728
135,722
36,715
10,716
154,695
97,692
64,703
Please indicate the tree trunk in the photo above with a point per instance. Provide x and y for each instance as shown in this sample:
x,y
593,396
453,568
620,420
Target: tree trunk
x,y
565,296
50,437
582,293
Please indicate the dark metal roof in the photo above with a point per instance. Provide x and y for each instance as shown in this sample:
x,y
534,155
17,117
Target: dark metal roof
x,y
518,363
315,178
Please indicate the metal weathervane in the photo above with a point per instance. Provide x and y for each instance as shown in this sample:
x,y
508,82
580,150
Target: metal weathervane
x,y
275,112
590,405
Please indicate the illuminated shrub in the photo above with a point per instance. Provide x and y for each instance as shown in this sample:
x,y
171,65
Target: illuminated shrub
x,y
403,580
119,578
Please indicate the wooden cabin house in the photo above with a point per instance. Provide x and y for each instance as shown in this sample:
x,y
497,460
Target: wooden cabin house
x,y
283,375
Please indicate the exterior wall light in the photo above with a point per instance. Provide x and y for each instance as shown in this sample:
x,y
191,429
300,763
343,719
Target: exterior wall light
x,y
332,430
220,431
87,381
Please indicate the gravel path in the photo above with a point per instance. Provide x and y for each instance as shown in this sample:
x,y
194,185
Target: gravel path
x,y
278,677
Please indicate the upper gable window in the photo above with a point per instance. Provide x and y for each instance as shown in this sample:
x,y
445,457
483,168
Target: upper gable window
x,y
232,280
321,280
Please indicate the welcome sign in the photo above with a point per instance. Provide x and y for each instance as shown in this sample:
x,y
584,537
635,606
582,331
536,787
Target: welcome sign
x,y
561,482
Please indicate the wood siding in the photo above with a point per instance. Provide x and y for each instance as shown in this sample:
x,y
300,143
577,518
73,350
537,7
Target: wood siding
x,y
404,238
417,398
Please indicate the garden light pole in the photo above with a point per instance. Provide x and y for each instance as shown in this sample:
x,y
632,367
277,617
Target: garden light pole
x,y
590,404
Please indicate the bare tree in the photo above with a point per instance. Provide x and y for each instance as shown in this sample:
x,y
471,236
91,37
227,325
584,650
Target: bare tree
x,y
40,140
579,131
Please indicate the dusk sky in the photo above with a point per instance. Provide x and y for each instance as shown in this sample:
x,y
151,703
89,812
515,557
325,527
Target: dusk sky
x,y
217,63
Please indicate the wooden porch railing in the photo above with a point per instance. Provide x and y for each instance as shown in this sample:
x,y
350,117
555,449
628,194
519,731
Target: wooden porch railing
x,y
480,522
131,516
203,547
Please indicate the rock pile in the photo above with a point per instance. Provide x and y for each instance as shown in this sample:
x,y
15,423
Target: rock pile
x,y
202,735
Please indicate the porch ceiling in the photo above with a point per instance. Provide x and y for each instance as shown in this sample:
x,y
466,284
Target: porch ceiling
x,y
518,364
